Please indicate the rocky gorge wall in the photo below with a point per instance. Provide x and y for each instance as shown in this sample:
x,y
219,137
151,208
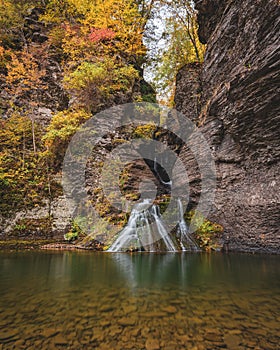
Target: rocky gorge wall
x,y
234,98
51,218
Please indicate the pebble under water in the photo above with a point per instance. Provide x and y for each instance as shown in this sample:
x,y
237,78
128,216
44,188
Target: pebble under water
x,y
83,300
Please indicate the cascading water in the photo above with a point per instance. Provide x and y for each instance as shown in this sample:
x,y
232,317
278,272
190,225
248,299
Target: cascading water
x,y
187,243
146,231
167,183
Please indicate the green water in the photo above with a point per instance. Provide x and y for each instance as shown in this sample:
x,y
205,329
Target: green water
x,y
77,300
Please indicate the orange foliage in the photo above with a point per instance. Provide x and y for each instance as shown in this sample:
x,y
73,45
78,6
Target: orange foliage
x,y
103,34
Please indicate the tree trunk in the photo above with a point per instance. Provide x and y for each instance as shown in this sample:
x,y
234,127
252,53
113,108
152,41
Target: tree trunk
x,y
33,135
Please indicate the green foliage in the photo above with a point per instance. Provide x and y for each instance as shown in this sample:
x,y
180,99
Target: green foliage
x,y
20,227
75,232
94,84
59,132
147,92
71,236
207,233
24,177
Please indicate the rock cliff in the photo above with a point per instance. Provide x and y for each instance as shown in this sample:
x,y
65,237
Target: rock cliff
x,y
51,218
234,98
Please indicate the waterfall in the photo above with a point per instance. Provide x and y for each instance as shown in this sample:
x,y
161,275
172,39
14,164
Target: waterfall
x,y
187,243
146,231
164,233
167,183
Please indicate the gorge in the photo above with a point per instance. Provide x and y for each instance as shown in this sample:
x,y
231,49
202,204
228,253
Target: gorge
x,y
129,224
233,99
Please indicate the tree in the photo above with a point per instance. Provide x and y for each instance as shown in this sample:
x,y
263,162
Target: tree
x,y
146,9
25,84
24,176
96,84
179,52
179,43
82,18
98,47
102,48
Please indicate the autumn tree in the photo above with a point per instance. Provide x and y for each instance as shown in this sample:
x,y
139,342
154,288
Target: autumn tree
x,y
179,43
24,177
58,135
24,83
115,24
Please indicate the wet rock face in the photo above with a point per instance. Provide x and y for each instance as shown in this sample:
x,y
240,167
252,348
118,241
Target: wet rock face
x,y
239,115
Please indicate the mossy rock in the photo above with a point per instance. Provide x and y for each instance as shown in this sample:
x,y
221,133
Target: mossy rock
x,y
32,227
208,234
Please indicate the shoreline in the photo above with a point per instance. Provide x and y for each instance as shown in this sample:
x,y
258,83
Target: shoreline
x,y
50,245
21,245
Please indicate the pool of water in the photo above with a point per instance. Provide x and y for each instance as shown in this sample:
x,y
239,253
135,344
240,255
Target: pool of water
x,y
80,300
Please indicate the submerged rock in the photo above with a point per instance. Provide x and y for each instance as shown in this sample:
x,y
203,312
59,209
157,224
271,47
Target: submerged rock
x,y
8,335
152,344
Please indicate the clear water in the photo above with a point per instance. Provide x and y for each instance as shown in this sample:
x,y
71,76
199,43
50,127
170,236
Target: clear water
x,y
79,300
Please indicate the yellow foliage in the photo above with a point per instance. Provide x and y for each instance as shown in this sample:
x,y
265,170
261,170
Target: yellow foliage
x,y
95,83
79,17
62,127
145,131
24,75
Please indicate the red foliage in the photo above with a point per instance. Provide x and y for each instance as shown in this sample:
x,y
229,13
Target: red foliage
x,y
102,34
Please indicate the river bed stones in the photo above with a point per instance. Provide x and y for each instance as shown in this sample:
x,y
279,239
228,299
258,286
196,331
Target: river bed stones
x,y
8,335
156,330
169,309
152,344
122,316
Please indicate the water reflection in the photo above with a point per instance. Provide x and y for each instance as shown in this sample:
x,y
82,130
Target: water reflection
x,y
195,270
183,270
86,300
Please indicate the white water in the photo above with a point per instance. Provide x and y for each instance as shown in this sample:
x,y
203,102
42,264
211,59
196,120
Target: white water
x,y
186,240
146,231
168,183
163,232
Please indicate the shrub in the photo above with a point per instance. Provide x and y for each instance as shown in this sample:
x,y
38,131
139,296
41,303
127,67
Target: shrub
x,y
208,233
